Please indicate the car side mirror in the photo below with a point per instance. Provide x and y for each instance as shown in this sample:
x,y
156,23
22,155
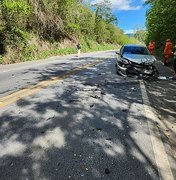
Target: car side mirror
x,y
118,53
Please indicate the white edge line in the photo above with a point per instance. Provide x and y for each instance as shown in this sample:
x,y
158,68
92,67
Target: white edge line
x,y
161,158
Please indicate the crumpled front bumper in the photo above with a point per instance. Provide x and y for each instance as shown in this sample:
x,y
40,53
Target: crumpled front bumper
x,y
131,69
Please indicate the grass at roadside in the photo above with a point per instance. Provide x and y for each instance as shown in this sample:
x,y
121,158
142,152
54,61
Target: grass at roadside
x,y
72,50
37,51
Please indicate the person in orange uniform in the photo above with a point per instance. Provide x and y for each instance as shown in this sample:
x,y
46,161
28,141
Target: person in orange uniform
x,y
167,52
174,62
151,47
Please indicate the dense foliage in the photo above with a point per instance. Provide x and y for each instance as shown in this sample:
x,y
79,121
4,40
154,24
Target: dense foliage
x,y
140,35
161,22
30,28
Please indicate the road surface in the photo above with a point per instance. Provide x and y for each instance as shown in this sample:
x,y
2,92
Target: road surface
x,y
75,118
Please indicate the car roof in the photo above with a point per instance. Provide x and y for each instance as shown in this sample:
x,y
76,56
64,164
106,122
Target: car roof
x,y
133,45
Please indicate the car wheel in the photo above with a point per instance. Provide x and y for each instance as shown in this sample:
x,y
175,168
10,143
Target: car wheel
x,y
155,72
118,70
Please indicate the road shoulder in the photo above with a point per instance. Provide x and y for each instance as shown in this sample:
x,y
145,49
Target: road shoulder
x,y
162,96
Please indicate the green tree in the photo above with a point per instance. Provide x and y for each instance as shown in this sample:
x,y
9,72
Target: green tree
x,y
103,12
103,17
161,22
140,35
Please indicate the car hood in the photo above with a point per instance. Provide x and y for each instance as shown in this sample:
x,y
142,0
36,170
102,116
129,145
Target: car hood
x,y
140,59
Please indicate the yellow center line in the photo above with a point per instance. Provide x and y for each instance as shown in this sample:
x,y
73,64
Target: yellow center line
x,y
9,99
20,91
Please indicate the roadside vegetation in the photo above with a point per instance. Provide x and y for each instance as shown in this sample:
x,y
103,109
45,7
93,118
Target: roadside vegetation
x,y
35,29
161,22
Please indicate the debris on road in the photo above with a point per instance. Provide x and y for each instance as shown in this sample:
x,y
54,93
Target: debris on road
x,y
107,171
159,117
124,110
133,89
103,93
99,129
162,77
157,123
11,164
72,100
49,118
108,139
166,78
90,89
95,96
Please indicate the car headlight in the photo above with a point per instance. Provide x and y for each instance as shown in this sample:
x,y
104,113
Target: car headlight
x,y
125,61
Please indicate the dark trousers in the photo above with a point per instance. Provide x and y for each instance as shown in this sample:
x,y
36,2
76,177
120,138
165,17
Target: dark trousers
x,y
174,64
166,61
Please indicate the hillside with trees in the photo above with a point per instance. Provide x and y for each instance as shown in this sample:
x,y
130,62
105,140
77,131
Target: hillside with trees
x,y
35,29
161,23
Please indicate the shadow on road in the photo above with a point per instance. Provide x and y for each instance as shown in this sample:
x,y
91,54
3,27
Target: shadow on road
x,y
163,97
89,126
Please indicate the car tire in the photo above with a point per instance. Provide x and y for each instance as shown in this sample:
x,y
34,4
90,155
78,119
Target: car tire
x,y
118,70
155,72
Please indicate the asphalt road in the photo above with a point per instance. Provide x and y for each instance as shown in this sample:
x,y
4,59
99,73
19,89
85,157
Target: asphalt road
x,y
75,118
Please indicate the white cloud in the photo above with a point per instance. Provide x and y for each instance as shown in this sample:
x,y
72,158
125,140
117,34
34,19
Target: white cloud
x,y
120,4
129,31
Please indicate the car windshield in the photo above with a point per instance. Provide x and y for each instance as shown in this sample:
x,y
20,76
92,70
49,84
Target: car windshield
x,y
135,50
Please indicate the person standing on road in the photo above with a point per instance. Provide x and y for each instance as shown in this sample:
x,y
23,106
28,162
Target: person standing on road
x,y
174,62
151,47
79,48
167,52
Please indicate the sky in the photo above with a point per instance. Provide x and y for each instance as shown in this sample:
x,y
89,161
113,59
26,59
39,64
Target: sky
x,y
130,13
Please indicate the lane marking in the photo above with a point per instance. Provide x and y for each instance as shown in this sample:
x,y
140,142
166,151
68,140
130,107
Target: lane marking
x,y
11,98
161,158
20,91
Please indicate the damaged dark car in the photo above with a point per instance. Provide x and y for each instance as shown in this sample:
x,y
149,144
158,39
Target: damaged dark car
x,y
136,60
